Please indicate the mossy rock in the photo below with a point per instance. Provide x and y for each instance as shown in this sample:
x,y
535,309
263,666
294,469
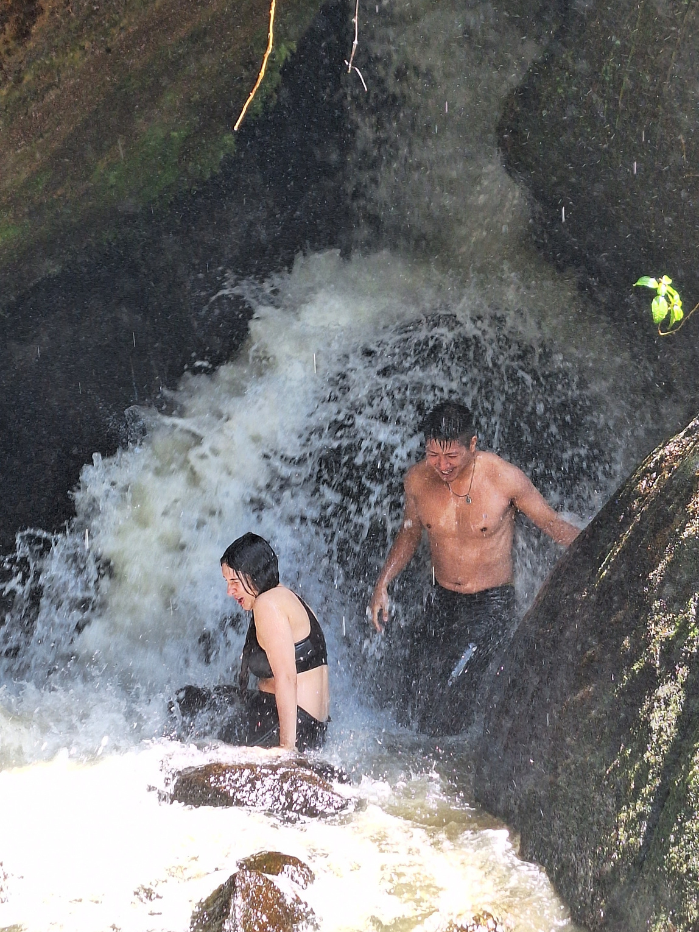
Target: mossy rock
x,y
112,109
592,736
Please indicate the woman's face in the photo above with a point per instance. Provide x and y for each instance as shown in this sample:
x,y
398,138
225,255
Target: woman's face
x,y
236,588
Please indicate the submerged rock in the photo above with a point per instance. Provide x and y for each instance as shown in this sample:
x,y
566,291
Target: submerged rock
x,y
481,922
250,902
284,787
591,744
280,865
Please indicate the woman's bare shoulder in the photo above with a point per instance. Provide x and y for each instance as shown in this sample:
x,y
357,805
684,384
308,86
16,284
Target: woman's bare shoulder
x,y
278,598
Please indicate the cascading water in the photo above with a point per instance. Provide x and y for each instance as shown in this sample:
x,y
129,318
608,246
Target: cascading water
x,y
304,438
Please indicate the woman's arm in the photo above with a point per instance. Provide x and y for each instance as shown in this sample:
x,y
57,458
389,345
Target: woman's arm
x,y
275,638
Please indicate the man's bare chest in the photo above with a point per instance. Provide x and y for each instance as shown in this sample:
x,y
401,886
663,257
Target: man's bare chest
x,y
446,515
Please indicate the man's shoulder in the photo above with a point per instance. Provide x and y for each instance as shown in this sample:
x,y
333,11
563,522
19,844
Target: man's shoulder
x,y
501,472
417,476
493,461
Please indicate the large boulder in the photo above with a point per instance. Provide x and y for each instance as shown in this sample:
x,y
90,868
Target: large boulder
x,y
123,277
591,741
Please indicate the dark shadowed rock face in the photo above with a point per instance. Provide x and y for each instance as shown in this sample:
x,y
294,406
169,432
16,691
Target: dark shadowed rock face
x,y
603,131
250,902
605,126
288,788
121,322
593,730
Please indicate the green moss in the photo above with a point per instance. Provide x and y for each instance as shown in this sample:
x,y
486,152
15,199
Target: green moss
x,y
11,232
84,130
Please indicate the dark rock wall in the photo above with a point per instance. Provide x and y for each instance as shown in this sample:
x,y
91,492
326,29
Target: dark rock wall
x,y
604,128
115,328
592,736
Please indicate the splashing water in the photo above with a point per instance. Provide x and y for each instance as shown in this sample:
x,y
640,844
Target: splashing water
x,y
303,439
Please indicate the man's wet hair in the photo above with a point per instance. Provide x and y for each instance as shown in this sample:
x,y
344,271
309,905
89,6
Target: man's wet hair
x,y
252,558
448,422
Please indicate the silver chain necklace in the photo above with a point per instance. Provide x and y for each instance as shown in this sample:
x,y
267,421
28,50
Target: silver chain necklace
x,y
467,497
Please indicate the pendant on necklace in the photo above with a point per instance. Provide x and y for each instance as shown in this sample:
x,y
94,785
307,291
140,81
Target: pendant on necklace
x,y
468,499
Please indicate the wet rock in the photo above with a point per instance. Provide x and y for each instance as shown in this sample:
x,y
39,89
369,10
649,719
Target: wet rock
x,y
481,922
588,132
250,902
121,305
592,738
290,788
279,865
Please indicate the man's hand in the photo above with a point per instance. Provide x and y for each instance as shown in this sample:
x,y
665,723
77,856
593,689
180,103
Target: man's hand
x,y
379,606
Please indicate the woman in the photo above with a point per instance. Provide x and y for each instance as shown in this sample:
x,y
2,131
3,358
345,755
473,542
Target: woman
x,y
285,649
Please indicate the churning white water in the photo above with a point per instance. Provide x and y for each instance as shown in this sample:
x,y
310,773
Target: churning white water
x,y
304,439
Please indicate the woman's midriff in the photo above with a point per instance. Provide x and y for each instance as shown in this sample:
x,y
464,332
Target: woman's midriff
x,y
312,692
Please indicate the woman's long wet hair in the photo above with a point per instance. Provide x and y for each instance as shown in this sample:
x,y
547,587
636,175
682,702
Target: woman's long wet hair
x,y
251,557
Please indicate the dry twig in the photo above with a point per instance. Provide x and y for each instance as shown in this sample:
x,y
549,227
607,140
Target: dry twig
x,y
270,43
350,64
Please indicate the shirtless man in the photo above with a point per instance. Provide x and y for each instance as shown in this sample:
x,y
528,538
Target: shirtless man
x,y
466,501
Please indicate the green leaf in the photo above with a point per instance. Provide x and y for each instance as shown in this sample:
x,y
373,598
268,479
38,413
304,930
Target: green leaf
x,y
659,309
676,314
665,280
647,281
674,297
662,289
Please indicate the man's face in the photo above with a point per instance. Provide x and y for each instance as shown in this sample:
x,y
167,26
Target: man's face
x,y
450,459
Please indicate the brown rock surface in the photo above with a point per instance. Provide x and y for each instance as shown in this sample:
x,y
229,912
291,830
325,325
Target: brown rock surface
x,y
284,787
250,902
591,743
279,865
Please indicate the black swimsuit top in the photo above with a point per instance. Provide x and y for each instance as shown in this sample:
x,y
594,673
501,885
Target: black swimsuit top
x,y
311,652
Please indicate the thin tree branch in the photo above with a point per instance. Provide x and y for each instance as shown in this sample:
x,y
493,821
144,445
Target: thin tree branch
x,y
356,39
270,43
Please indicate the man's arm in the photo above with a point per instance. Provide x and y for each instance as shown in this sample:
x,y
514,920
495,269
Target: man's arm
x,y
400,554
531,503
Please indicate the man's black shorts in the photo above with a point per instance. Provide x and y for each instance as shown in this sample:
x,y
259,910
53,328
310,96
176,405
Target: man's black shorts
x,y
451,654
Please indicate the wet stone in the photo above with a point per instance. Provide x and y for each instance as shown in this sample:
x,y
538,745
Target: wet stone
x,y
481,922
280,865
289,788
250,902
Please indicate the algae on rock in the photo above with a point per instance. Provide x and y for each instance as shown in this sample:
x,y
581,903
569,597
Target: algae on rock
x,y
108,109
593,727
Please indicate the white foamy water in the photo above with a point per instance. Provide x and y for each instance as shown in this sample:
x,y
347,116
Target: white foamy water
x,y
88,846
295,440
